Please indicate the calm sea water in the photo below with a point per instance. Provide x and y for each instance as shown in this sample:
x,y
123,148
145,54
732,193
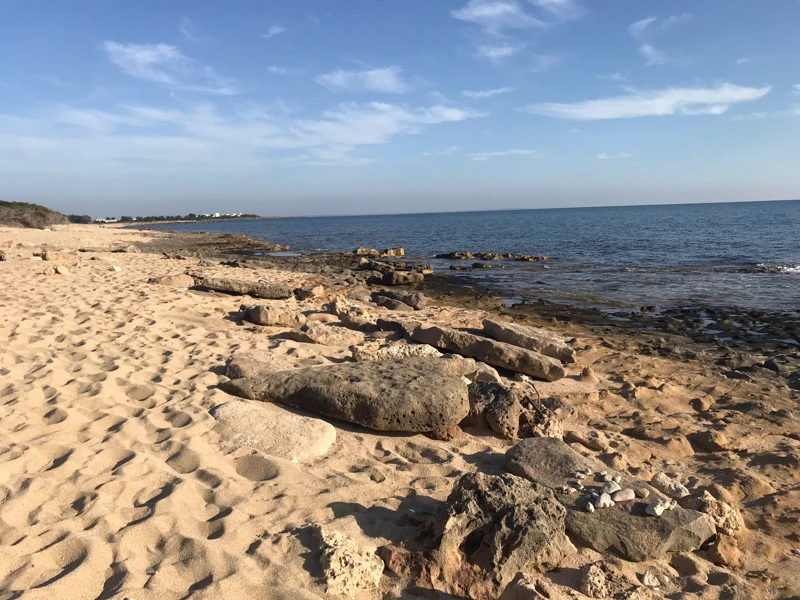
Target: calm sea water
x,y
731,254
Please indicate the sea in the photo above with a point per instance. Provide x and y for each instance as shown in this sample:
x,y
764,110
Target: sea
x,y
743,255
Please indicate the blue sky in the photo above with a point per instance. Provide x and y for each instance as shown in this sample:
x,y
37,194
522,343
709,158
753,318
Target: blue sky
x,y
377,106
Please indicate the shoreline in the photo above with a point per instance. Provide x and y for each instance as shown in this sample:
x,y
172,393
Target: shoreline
x,y
118,479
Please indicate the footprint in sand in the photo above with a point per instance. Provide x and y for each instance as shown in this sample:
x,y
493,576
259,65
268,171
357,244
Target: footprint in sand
x,y
54,416
140,393
256,468
184,461
55,562
178,418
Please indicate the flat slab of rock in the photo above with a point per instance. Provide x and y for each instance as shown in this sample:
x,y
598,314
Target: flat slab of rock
x,y
498,354
273,430
252,364
273,315
326,334
391,303
409,395
624,528
266,291
531,338
395,351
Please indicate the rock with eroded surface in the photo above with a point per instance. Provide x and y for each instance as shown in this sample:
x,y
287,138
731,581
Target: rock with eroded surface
x,y
532,338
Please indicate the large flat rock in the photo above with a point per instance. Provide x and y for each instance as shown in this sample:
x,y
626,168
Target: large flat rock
x,y
498,354
409,395
257,289
531,338
624,528
273,430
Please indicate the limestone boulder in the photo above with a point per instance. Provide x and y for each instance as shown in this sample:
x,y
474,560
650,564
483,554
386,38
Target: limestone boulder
x,y
394,351
327,334
498,354
348,567
273,314
408,395
273,430
257,289
531,338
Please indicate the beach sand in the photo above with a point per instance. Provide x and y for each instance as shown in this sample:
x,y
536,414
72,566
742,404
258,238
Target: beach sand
x,y
114,482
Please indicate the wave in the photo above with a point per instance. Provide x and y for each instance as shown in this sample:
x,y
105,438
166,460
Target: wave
x,y
793,269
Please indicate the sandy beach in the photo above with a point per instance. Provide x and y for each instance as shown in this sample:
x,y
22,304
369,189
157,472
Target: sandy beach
x,y
118,478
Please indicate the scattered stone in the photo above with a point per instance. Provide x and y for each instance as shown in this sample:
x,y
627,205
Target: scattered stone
x,y
62,270
181,281
49,271
116,269
625,495
642,492
391,303
489,529
36,258
353,317
266,291
416,300
402,278
593,581
669,486
588,375
51,256
611,487
726,517
3,256
410,395
651,580
273,430
657,507
591,438
394,351
327,335
307,293
725,551
624,528
530,338
348,567
498,354
273,315
604,501
486,373
589,507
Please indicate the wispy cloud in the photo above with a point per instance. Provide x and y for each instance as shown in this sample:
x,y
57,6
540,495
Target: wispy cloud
x,y
273,31
165,64
604,156
51,80
477,95
671,101
647,30
496,16
744,60
564,10
277,70
499,52
482,156
388,80
190,30
613,77
444,152
202,135
541,63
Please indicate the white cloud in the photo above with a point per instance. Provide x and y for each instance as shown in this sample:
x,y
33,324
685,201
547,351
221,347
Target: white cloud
x,y
613,77
388,80
273,31
276,70
543,62
499,52
645,32
563,9
685,101
482,156
743,60
444,152
604,156
189,30
495,16
476,95
165,64
93,140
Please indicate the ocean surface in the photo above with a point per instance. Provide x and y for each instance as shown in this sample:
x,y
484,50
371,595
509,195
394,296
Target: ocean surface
x,y
727,254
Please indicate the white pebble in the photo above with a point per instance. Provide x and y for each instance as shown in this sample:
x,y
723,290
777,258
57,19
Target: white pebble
x,y
611,487
603,473
651,580
623,495
588,471
589,507
669,486
618,478
116,269
604,501
657,507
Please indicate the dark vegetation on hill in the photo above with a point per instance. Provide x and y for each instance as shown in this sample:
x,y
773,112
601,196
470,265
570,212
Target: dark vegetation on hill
x,y
23,214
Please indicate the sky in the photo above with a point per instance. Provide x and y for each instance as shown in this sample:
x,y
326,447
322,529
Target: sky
x,y
314,107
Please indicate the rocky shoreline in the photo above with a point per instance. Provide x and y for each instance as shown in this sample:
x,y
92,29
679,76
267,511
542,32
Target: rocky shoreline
x,y
351,424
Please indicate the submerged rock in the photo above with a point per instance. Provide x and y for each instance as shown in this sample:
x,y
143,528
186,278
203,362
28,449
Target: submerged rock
x,y
498,354
531,338
409,395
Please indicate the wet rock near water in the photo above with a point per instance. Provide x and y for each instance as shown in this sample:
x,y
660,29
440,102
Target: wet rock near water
x,y
372,253
498,354
489,529
408,395
459,255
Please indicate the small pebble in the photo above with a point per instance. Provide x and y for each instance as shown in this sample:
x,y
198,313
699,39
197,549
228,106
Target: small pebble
x,y
618,478
623,495
650,580
607,477
589,507
657,507
603,473
588,471
796,551
611,487
642,492
595,495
